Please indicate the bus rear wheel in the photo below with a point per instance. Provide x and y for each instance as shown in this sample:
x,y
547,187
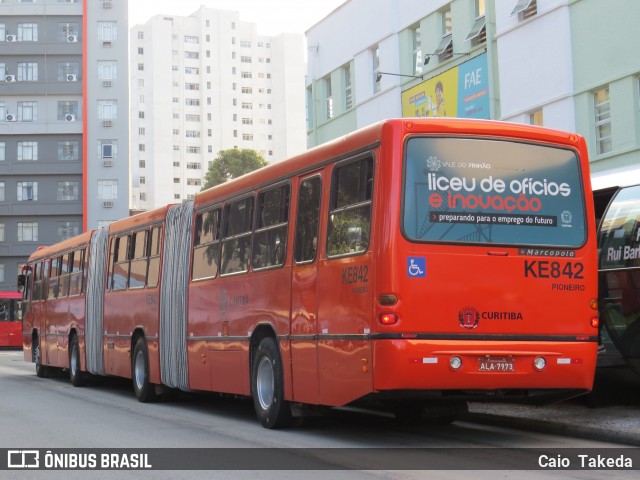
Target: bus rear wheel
x,y
145,391
41,370
267,386
75,375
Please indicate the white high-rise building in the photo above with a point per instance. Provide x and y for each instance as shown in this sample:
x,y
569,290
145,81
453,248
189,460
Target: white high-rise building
x,y
205,83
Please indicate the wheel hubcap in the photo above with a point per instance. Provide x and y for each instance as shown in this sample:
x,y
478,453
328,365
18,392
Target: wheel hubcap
x,y
139,370
265,383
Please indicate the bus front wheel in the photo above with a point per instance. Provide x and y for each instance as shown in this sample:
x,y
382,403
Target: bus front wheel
x,y
145,391
267,386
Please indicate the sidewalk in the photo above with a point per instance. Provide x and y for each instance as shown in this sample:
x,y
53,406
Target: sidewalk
x,y
610,413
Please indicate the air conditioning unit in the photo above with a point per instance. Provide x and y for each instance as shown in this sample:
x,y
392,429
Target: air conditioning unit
x,y
106,43
106,4
72,38
106,83
70,117
72,77
107,163
9,78
107,204
106,123
10,117
69,1
10,38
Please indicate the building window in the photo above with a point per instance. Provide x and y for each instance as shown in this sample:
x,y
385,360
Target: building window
x,y
602,111
525,9
27,191
27,151
193,166
1,232
328,98
2,151
375,52
68,191
348,97
67,230
107,69
2,189
191,55
417,59
27,111
478,33
194,182
27,231
191,39
107,31
67,110
69,150
536,118
107,148
27,71
67,32
245,59
107,109
107,189
67,68
247,136
27,32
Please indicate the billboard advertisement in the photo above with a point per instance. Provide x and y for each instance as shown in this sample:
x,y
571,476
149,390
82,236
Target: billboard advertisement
x,y
462,91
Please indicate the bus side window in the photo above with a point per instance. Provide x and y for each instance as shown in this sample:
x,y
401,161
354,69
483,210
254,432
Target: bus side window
x,y
308,220
121,263
206,245
236,245
349,223
154,246
54,277
272,222
138,271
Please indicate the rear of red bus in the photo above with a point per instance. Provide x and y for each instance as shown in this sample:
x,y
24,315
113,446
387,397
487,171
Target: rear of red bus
x,y
486,284
10,320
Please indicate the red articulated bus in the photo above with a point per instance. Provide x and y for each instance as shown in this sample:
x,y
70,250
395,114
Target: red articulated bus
x,y
412,265
10,320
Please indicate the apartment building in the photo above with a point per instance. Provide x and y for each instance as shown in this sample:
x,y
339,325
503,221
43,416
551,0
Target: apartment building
x,y
205,83
58,117
566,64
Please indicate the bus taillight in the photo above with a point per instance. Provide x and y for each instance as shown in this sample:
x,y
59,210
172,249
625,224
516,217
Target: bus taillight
x,y
595,322
388,318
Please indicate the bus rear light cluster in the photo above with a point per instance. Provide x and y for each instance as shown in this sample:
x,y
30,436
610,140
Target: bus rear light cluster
x,y
539,363
455,362
595,322
388,318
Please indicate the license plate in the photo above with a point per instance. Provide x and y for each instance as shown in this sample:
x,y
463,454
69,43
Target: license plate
x,y
496,364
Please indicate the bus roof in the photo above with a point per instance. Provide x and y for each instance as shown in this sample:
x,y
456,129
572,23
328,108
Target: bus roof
x,y
367,137
69,244
139,220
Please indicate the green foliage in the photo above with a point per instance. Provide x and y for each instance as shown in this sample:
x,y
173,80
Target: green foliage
x,y
232,163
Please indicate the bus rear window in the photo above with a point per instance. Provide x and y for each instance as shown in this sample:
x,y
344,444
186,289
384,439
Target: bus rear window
x,y
484,191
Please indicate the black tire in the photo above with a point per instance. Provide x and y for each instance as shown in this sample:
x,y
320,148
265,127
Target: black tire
x,y
76,376
267,386
145,391
41,370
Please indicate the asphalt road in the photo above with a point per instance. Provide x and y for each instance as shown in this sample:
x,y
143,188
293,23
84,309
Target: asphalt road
x,y
50,414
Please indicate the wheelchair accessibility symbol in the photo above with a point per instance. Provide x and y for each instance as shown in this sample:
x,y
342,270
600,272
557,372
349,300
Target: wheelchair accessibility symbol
x,y
417,267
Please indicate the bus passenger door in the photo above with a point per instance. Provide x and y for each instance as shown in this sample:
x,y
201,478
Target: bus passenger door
x,y
304,288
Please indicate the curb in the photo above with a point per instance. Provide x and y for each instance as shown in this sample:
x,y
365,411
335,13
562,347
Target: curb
x,y
566,429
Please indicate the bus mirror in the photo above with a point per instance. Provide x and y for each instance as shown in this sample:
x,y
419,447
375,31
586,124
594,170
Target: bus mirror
x,y
21,282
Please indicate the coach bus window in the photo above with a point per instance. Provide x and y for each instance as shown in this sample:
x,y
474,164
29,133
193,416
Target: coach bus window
x,y
236,245
75,277
63,281
138,271
482,191
54,279
154,246
350,210
619,251
270,238
121,263
206,251
37,281
307,220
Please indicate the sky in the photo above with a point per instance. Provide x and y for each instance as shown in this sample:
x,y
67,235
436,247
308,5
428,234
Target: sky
x,y
271,16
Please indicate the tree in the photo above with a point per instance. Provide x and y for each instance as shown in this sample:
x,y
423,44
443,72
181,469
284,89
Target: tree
x,y
232,163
